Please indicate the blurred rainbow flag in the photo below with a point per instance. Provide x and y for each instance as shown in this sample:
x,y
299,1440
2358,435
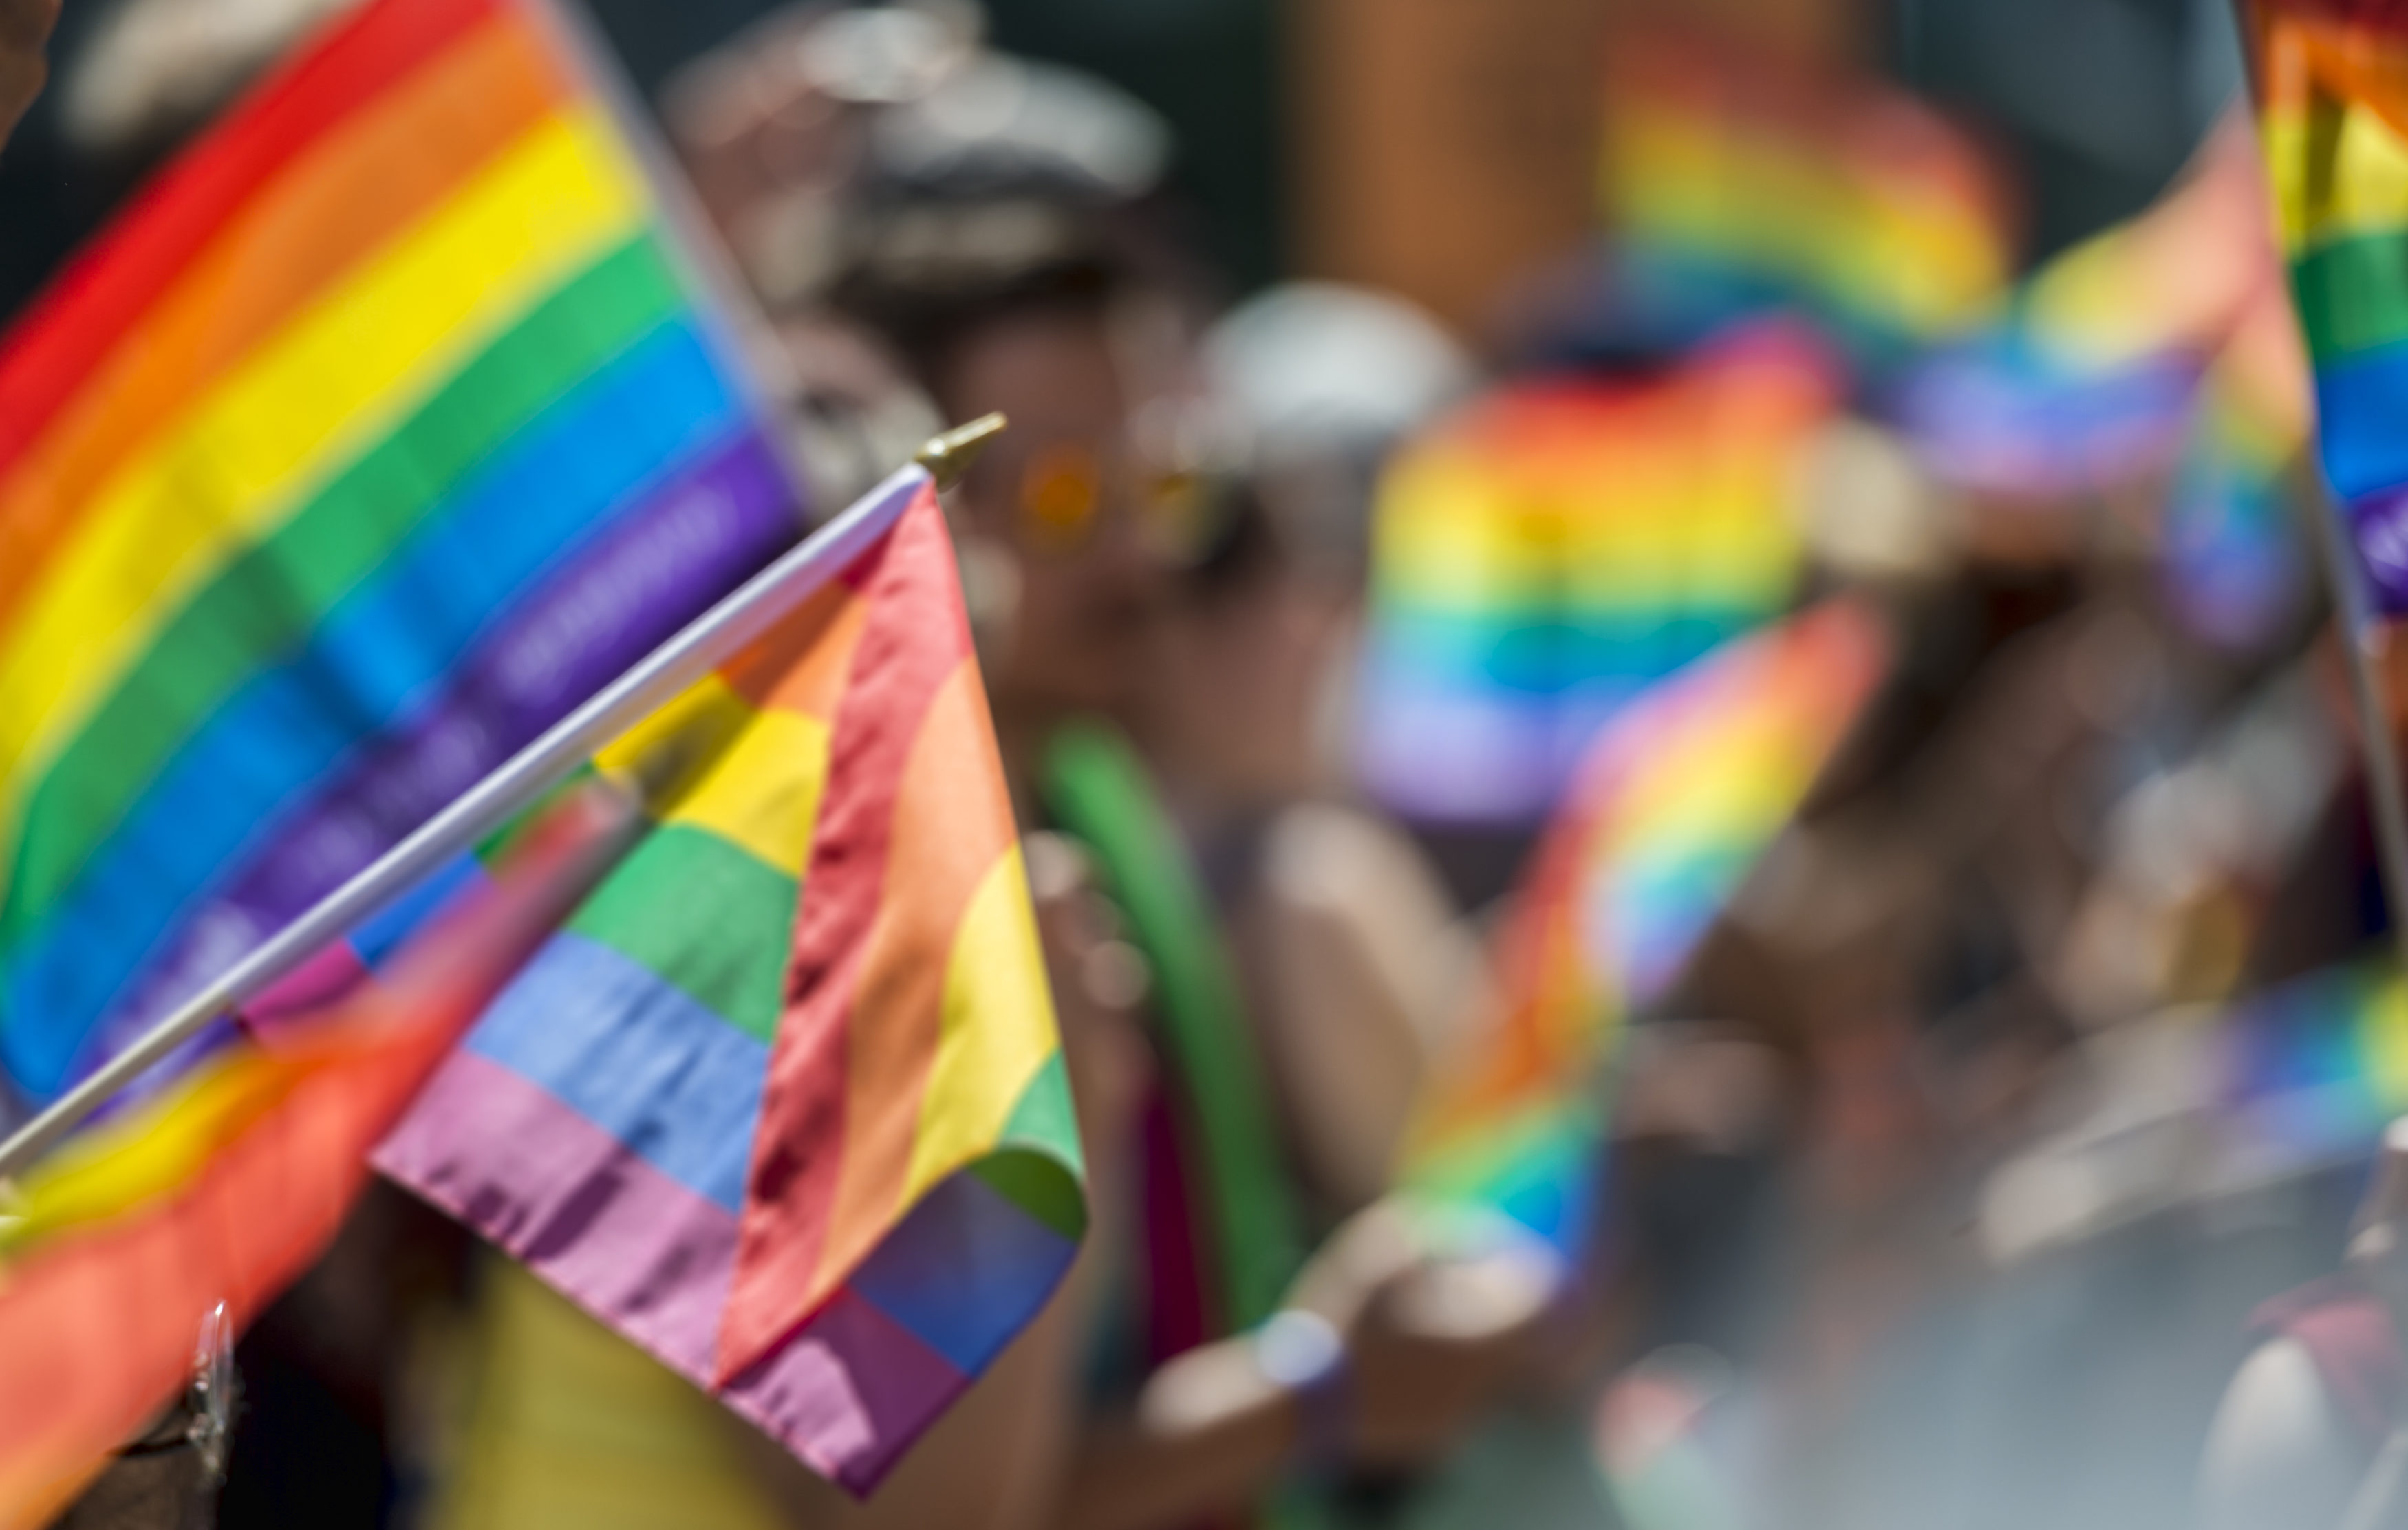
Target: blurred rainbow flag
x,y
2235,567
1673,806
382,428
2333,82
783,1102
2091,377
2317,1066
226,1187
1543,555
1732,183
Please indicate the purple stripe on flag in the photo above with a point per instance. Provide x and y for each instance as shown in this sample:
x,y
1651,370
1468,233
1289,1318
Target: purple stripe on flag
x,y
2380,520
578,1205
300,995
652,1259
693,541
850,1394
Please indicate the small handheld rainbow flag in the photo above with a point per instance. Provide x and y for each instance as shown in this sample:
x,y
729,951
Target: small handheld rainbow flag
x,y
1732,184
1674,804
383,428
2332,88
224,1187
783,1103
1548,551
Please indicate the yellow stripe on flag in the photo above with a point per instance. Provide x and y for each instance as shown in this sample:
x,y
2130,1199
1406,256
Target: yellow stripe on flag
x,y
113,1171
997,1029
763,793
2364,189
310,401
710,761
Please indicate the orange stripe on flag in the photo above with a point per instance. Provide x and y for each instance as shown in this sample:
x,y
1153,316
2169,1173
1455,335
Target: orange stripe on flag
x,y
914,795
800,666
952,823
2355,61
383,172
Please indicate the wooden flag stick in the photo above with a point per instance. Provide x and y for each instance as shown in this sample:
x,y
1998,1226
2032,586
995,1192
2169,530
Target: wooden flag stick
x,y
706,643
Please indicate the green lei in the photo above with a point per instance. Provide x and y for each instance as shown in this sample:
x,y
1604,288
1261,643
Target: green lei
x,y
1099,791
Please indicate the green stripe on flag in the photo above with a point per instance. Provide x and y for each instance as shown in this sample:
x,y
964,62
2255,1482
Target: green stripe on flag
x,y
1043,1117
266,603
707,917
2353,293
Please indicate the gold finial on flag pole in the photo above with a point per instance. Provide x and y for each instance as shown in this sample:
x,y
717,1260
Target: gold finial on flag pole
x,y
948,457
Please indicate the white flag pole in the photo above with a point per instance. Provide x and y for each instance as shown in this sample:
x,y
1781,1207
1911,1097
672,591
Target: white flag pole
x,y
702,646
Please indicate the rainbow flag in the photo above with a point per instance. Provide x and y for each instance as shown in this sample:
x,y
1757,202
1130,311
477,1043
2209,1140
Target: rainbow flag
x,y
2333,82
2234,568
2006,413
2316,1068
227,1186
2092,375
1732,183
1674,804
380,430
783,1102
1543,556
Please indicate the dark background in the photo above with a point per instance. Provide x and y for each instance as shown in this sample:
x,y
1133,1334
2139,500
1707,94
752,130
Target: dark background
x,y
2094,101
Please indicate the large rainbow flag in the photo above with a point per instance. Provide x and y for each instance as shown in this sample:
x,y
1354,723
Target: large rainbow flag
x,y
224,1187
1674,804
1545,554
1732,183
783,1102
380,430
2332,84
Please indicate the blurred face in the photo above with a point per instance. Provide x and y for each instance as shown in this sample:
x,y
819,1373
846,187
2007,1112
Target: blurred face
x,y
1067,495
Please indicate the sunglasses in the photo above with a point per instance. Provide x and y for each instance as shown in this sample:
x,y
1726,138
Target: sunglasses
x,y
1067,492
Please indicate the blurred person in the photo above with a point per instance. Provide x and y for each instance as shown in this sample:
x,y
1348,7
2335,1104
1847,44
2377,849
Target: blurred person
x,y
1893,960
1321,380
1357,967
784,126
1042,299
25,30
773,125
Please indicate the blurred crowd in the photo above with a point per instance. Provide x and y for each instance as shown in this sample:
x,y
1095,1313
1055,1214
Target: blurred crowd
x,y
2000,1152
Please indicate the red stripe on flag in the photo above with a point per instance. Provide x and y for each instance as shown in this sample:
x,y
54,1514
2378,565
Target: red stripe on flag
x,y
105,292
952,823
914,637
366,183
